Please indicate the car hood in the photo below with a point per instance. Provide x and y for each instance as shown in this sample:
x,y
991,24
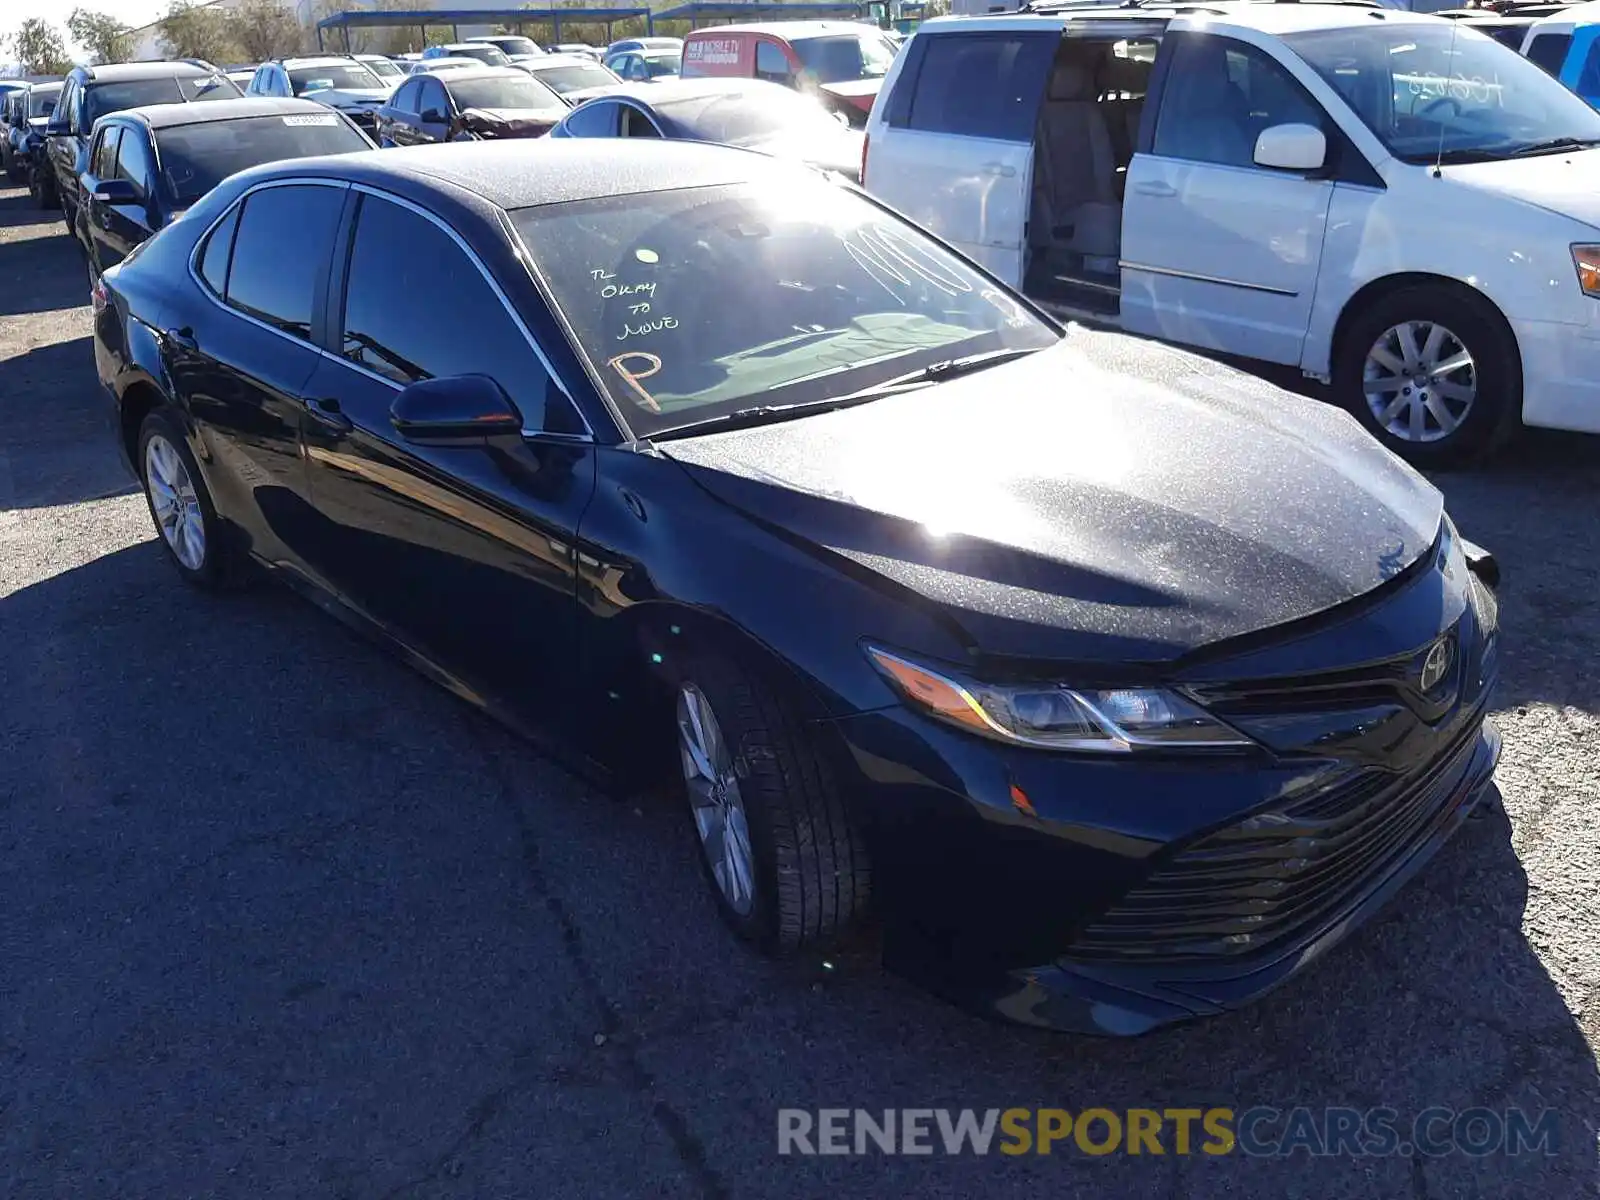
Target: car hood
x,y
349,97
1107,500
1568,184
839,152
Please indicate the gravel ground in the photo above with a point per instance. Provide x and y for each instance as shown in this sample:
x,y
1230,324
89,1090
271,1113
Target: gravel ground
x,y
280,918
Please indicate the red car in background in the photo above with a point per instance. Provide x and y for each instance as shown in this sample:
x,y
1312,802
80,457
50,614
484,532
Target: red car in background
x,y
842,62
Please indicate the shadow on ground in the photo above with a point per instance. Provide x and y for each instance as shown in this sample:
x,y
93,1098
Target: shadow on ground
x,y
283,910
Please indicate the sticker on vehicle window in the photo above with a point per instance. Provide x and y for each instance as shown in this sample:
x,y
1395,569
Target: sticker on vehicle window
x,y
300,119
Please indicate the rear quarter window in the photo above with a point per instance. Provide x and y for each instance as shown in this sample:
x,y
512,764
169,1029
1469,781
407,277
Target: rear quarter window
x,y
985,85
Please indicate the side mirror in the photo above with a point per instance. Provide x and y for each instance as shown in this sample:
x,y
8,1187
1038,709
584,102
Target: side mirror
x,y
116,191
57,128
459,408
1292,147
434,117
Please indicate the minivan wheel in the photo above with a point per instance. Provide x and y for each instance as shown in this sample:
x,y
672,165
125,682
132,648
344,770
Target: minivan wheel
x,y
185,518
786,867
1433,374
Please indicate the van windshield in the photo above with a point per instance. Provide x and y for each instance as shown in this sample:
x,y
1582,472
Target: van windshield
x,y
842,59
1440,91
695,303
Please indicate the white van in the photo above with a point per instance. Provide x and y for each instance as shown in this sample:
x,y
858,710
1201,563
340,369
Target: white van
x,y
1389,201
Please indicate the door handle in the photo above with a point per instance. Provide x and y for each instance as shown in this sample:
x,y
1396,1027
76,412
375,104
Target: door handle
x,y
1156,188
1004,170
328,411
182,338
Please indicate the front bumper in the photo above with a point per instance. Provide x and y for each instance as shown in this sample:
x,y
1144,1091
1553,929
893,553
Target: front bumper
x,y
1560,375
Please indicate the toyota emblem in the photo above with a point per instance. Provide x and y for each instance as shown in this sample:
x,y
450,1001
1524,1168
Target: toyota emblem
x,y
1437,664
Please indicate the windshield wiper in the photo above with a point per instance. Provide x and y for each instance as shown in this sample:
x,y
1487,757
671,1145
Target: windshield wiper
x,y
767,414
1554,146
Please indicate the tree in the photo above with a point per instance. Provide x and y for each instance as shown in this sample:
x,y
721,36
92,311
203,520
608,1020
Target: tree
x,y
38,46
191,30
103,38
264,29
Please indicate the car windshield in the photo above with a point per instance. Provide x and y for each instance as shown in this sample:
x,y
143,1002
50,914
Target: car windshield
x,y
492,55
515,45
106,98
663,64
332,75
195,158
1439,91
698,302
571,77
519,91
382,68
841,59
738,118
42,103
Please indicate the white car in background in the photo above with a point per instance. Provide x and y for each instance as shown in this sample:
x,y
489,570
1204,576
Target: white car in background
x,y
1391,202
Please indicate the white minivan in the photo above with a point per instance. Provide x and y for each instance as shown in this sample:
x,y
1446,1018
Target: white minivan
x,y
1391,202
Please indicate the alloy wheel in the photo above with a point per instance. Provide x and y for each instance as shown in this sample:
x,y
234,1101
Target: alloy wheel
x,y
175,502
713,783
1420,381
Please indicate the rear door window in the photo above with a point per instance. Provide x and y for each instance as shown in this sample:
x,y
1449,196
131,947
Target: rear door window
x,y
984,85
1549,50
281,254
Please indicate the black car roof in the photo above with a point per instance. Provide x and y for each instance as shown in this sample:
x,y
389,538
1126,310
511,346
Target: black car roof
x,y
164,116
519,173
121,72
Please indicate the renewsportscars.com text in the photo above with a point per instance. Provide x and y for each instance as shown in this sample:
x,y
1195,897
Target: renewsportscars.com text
x,y
1260,1131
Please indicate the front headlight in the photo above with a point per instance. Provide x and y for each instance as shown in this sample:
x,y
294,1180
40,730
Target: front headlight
x,y
1056,717
1587,260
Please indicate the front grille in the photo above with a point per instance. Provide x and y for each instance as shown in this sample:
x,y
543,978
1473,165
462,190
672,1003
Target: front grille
x,y
1283,871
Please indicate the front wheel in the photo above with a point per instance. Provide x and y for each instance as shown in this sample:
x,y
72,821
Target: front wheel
x,y
1433,373
786,866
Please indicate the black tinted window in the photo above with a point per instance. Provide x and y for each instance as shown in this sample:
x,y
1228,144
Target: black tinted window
x,y
214,259
281,253
598,118
1549,50
133,158
433,98
405,98
104,160
195,158
982,85
428,313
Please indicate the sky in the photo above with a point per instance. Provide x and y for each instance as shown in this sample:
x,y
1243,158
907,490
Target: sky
x,y
133,13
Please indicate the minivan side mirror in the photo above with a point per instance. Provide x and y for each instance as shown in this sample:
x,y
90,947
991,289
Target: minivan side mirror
x,y
1291,147
116,191
458,408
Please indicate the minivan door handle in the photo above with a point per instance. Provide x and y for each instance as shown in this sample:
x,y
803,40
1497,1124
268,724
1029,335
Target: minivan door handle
x,y
1004,170
1157,188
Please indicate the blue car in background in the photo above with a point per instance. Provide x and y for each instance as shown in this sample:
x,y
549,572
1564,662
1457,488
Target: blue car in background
x,y
1564,45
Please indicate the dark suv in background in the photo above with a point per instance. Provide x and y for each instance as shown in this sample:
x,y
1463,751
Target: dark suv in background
x,y
89,93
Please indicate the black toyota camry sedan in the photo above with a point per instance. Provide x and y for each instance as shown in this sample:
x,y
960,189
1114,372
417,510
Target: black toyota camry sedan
x,y
1121,685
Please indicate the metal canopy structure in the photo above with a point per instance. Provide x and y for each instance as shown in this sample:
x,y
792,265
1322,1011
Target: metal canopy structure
x,y
704,12
454,18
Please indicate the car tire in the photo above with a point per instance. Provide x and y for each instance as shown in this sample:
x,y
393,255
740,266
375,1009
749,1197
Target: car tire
x,y
195,539
1393,372
806,876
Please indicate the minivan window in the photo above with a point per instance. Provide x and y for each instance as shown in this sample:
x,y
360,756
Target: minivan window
x,y
1548,51
1440,92
195,158
982,85
281,250
697,302
403,323
1220,95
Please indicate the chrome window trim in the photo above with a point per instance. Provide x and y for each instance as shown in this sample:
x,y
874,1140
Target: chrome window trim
x,y
1147,269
